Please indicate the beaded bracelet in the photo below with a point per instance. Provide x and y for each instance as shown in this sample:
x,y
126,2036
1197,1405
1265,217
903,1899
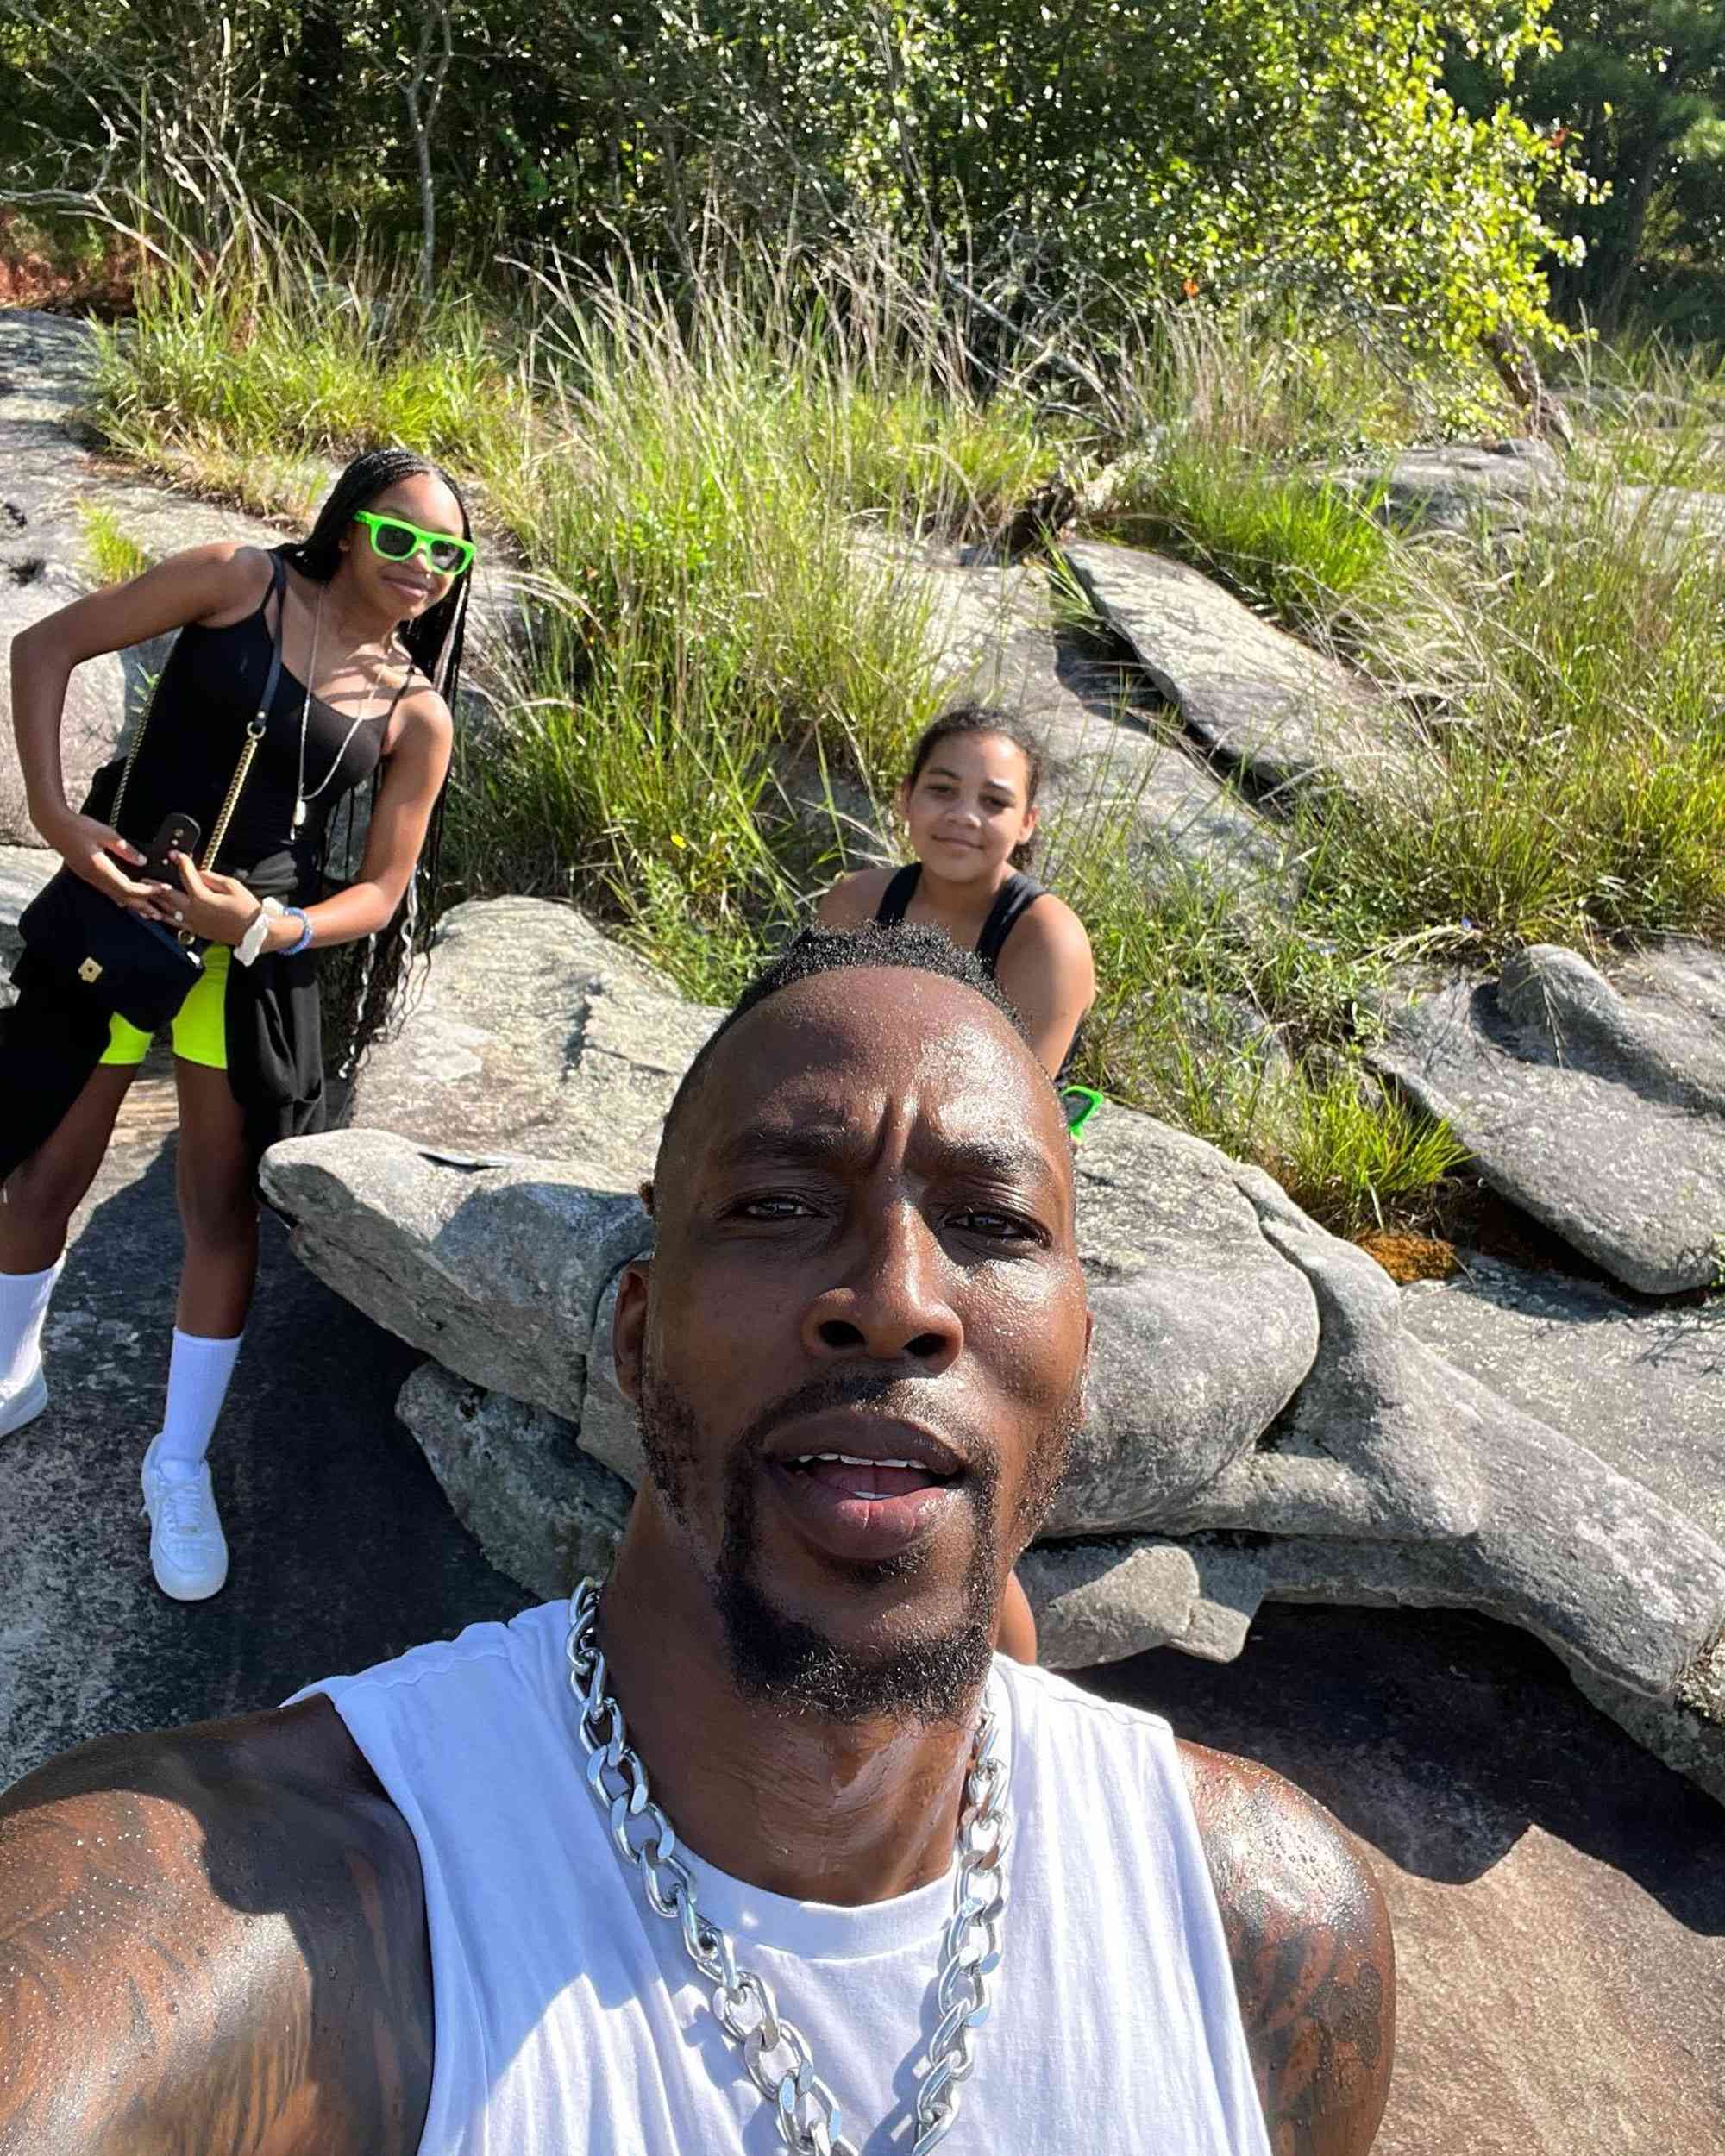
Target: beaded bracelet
x,y
298,914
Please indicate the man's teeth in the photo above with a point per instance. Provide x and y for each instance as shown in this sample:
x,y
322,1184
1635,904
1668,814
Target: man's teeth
x,y
846,1459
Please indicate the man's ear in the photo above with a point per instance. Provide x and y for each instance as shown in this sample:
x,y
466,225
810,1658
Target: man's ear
x,y
628,1326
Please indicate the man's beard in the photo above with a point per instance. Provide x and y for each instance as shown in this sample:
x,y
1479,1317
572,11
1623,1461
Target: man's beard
x,y
783,1660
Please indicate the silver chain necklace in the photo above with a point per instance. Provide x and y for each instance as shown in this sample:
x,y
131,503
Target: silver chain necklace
x,y
775,2055
302,800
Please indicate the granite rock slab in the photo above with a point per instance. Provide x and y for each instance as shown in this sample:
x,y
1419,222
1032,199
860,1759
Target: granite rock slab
x,y
1640,1386
535,1034
494,1266
1596,1105
1456,486
1291,717
540,1508
1265,1422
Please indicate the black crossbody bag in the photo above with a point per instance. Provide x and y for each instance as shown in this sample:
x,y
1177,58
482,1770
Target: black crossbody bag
x,y
139,969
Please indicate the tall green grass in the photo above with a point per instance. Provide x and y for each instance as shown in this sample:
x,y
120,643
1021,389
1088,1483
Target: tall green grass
x,y
720,667
1575,786
1247,1027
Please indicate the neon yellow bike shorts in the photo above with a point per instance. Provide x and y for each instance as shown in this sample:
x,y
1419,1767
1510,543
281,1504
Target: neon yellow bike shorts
x,y
200,1028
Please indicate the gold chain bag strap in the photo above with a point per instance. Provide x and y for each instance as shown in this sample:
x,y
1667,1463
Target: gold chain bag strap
x,y
249,748
122,963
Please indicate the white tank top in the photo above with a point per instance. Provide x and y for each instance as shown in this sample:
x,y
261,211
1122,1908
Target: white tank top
x,y
568,2022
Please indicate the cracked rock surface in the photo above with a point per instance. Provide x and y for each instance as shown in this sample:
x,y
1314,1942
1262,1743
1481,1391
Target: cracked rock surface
x,y
1596,1105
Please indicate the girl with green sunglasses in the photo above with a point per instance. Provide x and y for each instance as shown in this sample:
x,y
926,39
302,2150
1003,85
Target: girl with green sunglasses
x,y
300,674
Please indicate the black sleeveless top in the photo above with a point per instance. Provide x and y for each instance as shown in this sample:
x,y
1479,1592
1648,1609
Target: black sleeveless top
x,y
1014,899
206,698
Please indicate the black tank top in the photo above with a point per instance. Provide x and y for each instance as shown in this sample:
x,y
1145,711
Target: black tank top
x,y
206,698
1013,900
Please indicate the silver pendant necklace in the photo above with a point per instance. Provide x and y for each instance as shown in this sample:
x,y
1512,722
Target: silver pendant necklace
x,y
775,2055
302,800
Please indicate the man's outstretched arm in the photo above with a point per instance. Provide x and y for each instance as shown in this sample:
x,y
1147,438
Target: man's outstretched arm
x,y
1314,1959
212,1939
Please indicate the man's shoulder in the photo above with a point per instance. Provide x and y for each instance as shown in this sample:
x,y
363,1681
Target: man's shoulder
x,y
217,1792
245,1875
1310,1942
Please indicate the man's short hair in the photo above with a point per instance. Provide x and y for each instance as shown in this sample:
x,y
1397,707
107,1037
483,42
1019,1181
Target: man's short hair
x,y
911,944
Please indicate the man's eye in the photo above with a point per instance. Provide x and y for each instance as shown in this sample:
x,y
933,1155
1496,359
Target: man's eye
x,y
773,1207
997,1227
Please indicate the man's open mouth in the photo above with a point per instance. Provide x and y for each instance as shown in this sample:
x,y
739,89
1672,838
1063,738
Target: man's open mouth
x,y
851,1475
869,1504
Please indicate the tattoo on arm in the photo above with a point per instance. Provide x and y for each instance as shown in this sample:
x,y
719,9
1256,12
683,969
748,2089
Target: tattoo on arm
x,y
202,1949
1313,1960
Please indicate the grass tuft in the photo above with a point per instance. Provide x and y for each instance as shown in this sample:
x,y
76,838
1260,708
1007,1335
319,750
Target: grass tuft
x,y
114,553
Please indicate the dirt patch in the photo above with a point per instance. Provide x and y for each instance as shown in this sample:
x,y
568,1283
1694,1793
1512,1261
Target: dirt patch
x,y
1408,1256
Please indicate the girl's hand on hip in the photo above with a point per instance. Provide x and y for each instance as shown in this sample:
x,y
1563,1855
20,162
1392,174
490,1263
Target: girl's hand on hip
x,y
89,848
218,908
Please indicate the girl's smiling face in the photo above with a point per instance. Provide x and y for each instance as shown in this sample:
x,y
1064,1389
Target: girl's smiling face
x,y
404,589
969,806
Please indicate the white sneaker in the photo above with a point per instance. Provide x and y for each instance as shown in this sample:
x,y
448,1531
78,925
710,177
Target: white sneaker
x,y
188,1550
23,1406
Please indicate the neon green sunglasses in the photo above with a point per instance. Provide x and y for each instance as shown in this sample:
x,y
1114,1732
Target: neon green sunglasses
x,y
396,540
1080,1103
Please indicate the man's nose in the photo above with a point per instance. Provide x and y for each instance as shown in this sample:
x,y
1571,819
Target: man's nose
x,y
891,1300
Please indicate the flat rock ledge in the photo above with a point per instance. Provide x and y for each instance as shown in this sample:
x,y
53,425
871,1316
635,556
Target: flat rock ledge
x,y
1268,1420
1290,717
1598,1106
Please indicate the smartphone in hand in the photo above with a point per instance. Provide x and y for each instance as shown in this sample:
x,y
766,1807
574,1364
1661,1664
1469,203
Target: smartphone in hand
x,y
178,834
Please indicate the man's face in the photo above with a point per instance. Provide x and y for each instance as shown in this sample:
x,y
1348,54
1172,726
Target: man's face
x,y
859,1351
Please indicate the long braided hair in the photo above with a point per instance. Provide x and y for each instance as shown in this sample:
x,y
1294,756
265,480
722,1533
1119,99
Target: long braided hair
x,y
367,986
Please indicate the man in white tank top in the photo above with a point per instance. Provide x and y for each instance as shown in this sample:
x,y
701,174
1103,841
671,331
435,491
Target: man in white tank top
x,y
757,1847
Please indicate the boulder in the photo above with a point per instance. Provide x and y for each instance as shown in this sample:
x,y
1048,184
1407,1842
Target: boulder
x,y
1102,1602
1290,717
535,1033
1179,1388
1640,1386
1597,1107
1265,1420
539,1509
1394,1477
494,1267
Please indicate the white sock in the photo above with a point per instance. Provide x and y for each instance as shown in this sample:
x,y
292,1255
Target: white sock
x,y
23,1305
197,1375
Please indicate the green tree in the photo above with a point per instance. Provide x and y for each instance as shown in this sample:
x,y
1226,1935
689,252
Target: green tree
x,y
1637,93
1102,155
